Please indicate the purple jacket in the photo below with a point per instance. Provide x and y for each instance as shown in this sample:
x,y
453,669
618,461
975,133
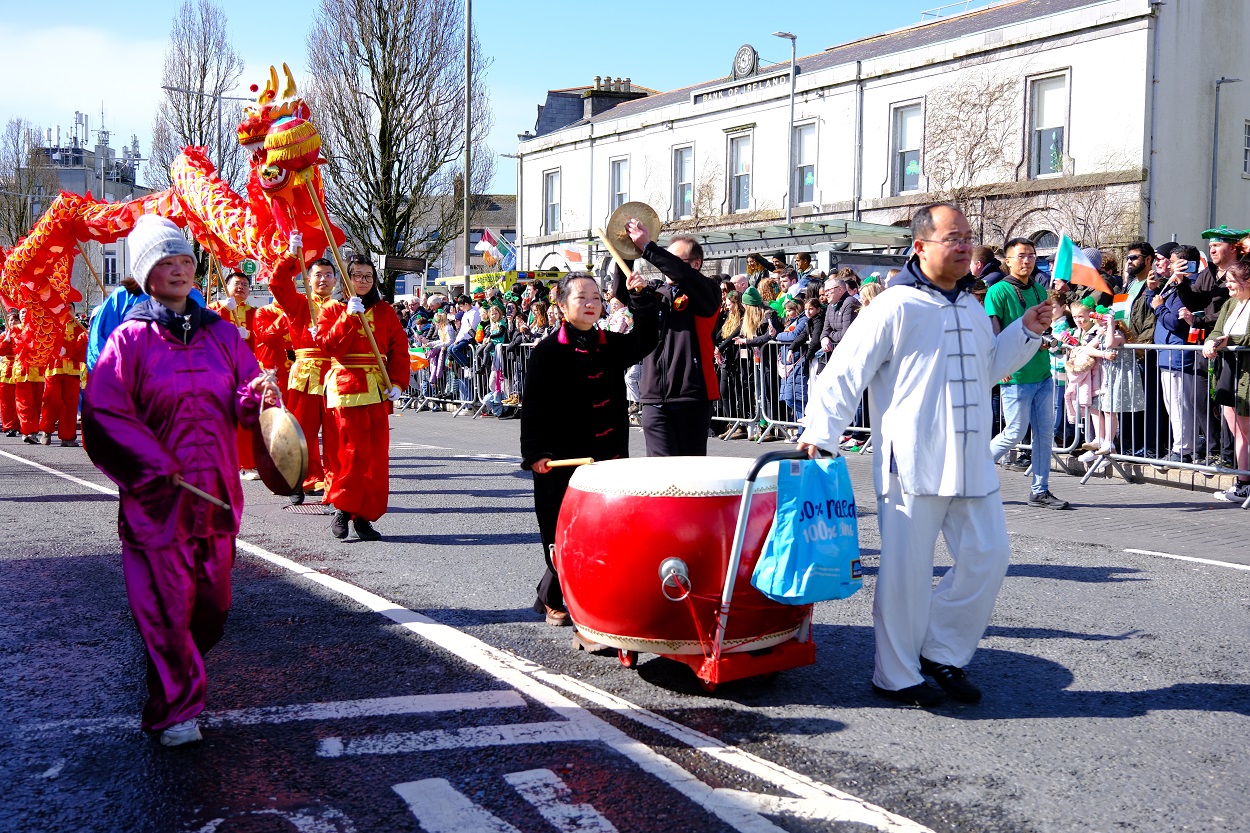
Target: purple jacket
x,y
155,406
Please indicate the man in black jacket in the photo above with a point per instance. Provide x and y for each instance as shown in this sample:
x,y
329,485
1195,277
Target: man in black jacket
x,y
679,380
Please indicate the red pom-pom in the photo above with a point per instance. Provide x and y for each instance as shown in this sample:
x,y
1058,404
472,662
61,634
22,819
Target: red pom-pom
x,y
254,88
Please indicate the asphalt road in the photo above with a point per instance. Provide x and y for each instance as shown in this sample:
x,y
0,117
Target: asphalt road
x,y
407,685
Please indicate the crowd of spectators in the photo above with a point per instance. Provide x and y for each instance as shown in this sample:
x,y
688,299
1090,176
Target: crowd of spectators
x,y
780,322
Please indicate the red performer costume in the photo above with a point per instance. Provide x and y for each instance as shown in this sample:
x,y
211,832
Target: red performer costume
x,y
8,393
28,391
242,315
358,399
64,381
273,342
306,383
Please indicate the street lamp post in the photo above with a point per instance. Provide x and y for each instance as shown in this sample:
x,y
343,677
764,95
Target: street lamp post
x,y
219,99
519,183
1215,145
790,138
468,136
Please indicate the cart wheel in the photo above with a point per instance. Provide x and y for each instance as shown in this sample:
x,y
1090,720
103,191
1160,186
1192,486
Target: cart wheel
x,y
708,685
629,659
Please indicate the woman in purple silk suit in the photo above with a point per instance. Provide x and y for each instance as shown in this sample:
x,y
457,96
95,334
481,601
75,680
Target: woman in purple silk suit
x,y
161,409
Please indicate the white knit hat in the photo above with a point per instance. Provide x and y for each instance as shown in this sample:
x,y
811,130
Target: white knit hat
x,y
152,240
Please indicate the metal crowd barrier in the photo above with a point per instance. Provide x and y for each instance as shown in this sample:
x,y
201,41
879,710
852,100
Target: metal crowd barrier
x,y
1177,413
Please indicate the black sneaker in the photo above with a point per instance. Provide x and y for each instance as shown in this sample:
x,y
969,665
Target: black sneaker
x,y
952,680
69,444
921,694
1175,457
338,526
1048,501
12,432
30,439
365,530
1021,463
297,497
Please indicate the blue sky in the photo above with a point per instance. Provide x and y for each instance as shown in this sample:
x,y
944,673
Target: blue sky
x,y
54,65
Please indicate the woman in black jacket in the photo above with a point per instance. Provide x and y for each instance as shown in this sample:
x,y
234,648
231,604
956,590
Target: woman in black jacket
x,y
575,404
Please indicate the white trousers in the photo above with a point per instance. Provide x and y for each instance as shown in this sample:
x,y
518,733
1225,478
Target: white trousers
x,y
1179,394
911,616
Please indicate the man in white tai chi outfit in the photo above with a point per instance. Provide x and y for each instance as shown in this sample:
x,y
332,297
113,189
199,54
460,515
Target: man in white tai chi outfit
x,y
927,354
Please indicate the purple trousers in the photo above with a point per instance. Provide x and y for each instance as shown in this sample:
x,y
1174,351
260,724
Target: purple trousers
x,y
180,596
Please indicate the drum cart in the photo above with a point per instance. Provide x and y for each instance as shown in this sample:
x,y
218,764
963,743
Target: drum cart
x,y
716,664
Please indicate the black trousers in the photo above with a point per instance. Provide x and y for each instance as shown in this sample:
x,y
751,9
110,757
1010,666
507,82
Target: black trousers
x,y
549,492
677,429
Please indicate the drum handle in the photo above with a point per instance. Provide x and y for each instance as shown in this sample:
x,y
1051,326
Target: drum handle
x,y
740,532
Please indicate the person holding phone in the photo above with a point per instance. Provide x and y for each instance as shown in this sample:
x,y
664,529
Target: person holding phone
x,y
1173,303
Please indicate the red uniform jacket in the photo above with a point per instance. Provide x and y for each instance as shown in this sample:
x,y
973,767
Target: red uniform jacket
x,y
312,363
74,360
273,340
354,378
244,315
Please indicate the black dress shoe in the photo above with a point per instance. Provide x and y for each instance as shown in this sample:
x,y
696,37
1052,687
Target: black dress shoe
x,y
338,526
297,498
952,680
921,694
365,530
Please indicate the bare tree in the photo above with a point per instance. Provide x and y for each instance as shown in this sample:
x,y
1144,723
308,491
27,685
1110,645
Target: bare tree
x,y
387,93
28,181
970,125
201,66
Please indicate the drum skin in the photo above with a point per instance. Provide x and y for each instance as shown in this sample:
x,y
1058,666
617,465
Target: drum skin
x,y
609,545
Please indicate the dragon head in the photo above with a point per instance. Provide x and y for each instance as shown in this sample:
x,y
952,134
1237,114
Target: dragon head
x,y
285,145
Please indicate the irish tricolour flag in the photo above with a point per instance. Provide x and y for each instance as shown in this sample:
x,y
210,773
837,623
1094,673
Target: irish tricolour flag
x,y
1072,266
1120,307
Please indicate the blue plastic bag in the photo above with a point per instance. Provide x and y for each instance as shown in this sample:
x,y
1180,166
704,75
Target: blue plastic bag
x,y
812,552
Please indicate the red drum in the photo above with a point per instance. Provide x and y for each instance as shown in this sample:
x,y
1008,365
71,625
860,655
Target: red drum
x,y
621,518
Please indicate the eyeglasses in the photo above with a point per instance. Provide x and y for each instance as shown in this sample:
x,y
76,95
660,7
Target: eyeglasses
x,y
1132,257
1023,257
951,242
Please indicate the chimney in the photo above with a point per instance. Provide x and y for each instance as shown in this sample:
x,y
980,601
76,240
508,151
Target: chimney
x,y
606,93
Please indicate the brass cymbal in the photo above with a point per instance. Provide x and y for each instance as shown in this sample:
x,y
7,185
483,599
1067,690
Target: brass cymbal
x,y
639,211
280,450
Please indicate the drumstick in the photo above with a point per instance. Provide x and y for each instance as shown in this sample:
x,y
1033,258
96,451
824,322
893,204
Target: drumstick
x,y
572,461
616,256
200,493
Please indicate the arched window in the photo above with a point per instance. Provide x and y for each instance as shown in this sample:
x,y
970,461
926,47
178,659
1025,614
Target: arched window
x,y
1046,240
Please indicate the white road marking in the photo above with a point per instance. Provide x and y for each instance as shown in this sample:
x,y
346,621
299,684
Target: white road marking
x,y
539,684
488,458
420,445
471,737
93,486
440,808
550,796
1191,558
335,710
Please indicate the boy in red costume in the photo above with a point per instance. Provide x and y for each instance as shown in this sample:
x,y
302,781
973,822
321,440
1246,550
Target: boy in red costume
x,y
239,312
63,382
306,383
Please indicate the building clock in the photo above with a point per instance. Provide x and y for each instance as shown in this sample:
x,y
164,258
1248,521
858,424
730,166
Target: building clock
x,y
746,61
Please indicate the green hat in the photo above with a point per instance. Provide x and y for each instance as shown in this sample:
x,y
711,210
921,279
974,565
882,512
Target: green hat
x,y
871,278
1228,235
1088,302
751,297
1101,310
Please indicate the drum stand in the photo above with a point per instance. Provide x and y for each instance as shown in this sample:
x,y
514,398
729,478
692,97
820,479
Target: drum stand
x,y
716,666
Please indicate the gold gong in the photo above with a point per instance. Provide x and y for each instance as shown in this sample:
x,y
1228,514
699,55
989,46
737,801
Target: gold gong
x,y
639,211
